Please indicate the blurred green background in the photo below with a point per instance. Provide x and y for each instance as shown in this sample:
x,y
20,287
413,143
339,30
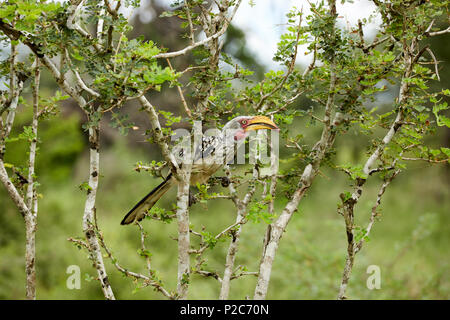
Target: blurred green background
x,y
410,243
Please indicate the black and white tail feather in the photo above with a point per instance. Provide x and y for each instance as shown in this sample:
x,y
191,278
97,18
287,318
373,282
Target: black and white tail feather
x,y
137,213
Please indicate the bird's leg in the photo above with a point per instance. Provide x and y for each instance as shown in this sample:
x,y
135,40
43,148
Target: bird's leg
x,y
224,181
192,198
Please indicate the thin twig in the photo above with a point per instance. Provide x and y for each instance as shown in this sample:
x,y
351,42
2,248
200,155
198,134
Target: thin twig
x,y
436,69
180,92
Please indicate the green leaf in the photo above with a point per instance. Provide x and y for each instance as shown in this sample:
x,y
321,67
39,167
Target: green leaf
x,y
446,151
258,212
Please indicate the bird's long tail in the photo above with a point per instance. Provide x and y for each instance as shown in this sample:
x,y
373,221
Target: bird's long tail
x,y
138,211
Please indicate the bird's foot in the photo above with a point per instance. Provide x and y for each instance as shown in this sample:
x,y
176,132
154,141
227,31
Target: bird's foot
x,y
192,198
225,181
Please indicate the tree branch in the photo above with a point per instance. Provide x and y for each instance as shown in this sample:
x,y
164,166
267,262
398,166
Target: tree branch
x,y
31,218
90,211
277,228
202,42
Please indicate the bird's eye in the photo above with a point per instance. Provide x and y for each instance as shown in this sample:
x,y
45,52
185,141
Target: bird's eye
x,y
244,122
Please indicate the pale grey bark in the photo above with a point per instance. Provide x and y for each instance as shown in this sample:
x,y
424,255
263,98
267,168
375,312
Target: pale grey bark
x,y
32,204
183,232
231,257
440,32
89,223
30,253
15,89
12,191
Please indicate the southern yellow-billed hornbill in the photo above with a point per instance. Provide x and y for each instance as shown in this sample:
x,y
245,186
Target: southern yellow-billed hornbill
x,y
212,154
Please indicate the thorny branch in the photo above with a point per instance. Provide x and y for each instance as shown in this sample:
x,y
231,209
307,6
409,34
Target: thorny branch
x,y
349,204
90,212
215,36
27,204
32,201
276,229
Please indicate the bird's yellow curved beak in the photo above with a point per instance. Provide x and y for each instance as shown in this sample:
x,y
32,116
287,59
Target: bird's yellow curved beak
x,y
261,122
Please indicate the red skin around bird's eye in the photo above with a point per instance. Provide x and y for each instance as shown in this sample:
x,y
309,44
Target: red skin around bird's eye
x,y
240,134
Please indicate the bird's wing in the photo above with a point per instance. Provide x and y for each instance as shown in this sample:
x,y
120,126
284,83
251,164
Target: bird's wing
x,y
204,150
207,148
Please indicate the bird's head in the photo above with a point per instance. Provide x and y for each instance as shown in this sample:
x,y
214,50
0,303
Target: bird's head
x,y
241,126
